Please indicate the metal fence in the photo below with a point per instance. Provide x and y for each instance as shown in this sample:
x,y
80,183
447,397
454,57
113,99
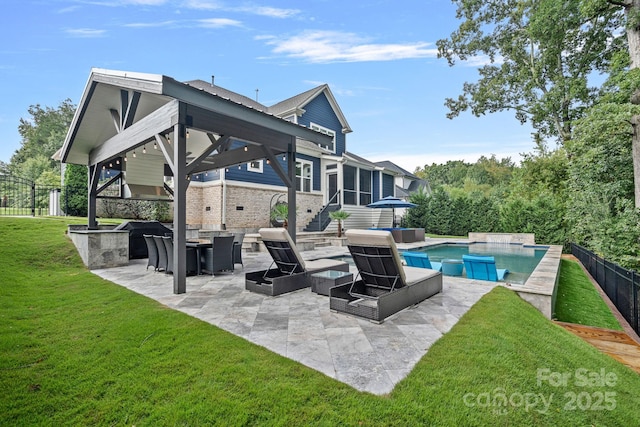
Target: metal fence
x,y
620,285
19,196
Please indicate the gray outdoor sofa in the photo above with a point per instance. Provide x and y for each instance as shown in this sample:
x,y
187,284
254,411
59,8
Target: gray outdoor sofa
x,y
291,272
385,285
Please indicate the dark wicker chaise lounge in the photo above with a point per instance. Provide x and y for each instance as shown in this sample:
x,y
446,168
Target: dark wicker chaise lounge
x,y
291,272
385,286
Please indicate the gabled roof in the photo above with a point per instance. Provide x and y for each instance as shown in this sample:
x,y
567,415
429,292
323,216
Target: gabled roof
x,y
360,160
298,102
225,93
392,166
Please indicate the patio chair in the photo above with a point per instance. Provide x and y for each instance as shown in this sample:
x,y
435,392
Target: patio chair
x,y
238,238
385,285
420,259
192,261
288,272
152,250
162,253
219,257
483,268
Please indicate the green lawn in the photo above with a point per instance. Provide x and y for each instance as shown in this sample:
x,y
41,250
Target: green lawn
x,y
579,302
78,350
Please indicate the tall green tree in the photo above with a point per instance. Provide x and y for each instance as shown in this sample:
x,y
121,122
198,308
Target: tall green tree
x,y
75,199
42,135
540,54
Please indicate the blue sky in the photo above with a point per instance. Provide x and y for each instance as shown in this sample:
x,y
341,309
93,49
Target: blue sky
x,y
378,57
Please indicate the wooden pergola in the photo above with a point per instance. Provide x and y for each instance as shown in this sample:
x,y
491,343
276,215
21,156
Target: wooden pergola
x,y
191,130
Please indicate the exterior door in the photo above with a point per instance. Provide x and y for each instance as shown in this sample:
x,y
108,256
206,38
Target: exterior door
x,y
332,189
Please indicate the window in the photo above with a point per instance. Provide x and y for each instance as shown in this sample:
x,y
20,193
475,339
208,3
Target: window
x,y
325,131
303,175
349,184
365,187
255,166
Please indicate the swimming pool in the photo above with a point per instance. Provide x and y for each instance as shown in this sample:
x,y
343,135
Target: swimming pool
x,y
520,260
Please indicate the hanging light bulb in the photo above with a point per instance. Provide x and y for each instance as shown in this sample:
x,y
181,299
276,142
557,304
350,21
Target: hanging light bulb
x,y
117,161
104,167
268,161
168,139
134,154
144,149
187,133
226,170
125,158
246,148
110,165
155,146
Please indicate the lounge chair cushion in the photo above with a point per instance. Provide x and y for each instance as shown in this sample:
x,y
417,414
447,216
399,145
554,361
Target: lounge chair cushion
x,y
322,264
282,235
416,274
376,238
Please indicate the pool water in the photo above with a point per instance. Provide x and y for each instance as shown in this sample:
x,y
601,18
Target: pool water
x,y
518,259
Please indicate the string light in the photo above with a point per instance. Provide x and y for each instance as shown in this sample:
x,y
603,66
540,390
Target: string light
x,y
125,158
144,149
187,133
110,165
246,148
134,154
117,161
268,161
155,146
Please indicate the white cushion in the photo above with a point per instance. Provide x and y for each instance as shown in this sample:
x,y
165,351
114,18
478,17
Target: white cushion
x,y
376,238
282,235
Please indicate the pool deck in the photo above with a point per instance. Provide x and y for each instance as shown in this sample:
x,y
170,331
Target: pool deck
x,y
299,325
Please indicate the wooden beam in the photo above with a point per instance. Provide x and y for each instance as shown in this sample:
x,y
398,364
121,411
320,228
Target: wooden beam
x,y
205,153
142,131
132,107
167,150
180,184
273,161
231,157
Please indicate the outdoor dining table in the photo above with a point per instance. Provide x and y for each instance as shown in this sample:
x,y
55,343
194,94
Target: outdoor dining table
x,y
199,244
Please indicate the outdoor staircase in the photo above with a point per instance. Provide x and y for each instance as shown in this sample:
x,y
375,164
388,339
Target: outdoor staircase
x,y
322,219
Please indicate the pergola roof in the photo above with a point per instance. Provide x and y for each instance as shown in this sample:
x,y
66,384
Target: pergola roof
x,y
192,129
120,111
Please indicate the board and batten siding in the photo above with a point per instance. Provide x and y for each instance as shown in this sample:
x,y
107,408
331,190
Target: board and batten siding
x,y
319,111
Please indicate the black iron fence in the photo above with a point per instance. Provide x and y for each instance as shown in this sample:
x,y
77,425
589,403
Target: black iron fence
x,y
19,196
620,285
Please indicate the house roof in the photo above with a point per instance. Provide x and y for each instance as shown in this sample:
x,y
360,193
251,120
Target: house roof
x,y
298,102
360,160
392,166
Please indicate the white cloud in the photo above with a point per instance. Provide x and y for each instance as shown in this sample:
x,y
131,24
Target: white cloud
x,y
272,12
203,5
219,23
335,46
85,32
150,24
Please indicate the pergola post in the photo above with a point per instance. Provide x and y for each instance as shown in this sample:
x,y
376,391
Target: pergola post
x,y
94,171
180,184
291,193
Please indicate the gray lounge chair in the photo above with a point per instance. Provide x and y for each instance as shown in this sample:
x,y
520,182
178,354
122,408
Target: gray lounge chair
x,y
291,272
385,285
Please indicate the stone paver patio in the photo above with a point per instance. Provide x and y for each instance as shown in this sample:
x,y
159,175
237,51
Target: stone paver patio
x,y
368,356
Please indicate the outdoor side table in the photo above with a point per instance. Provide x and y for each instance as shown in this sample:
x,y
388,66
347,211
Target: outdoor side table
x,y
323,281
452,267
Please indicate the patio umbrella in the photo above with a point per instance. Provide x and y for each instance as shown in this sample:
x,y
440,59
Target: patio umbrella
x,y
393,203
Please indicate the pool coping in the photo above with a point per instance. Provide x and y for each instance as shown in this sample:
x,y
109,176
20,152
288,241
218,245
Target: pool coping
x,y
539,290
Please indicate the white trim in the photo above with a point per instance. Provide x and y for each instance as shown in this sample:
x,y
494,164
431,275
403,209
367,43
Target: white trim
x,y
257,169
302,177
326,131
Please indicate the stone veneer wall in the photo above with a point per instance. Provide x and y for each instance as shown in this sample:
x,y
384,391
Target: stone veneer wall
x,y
247,207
